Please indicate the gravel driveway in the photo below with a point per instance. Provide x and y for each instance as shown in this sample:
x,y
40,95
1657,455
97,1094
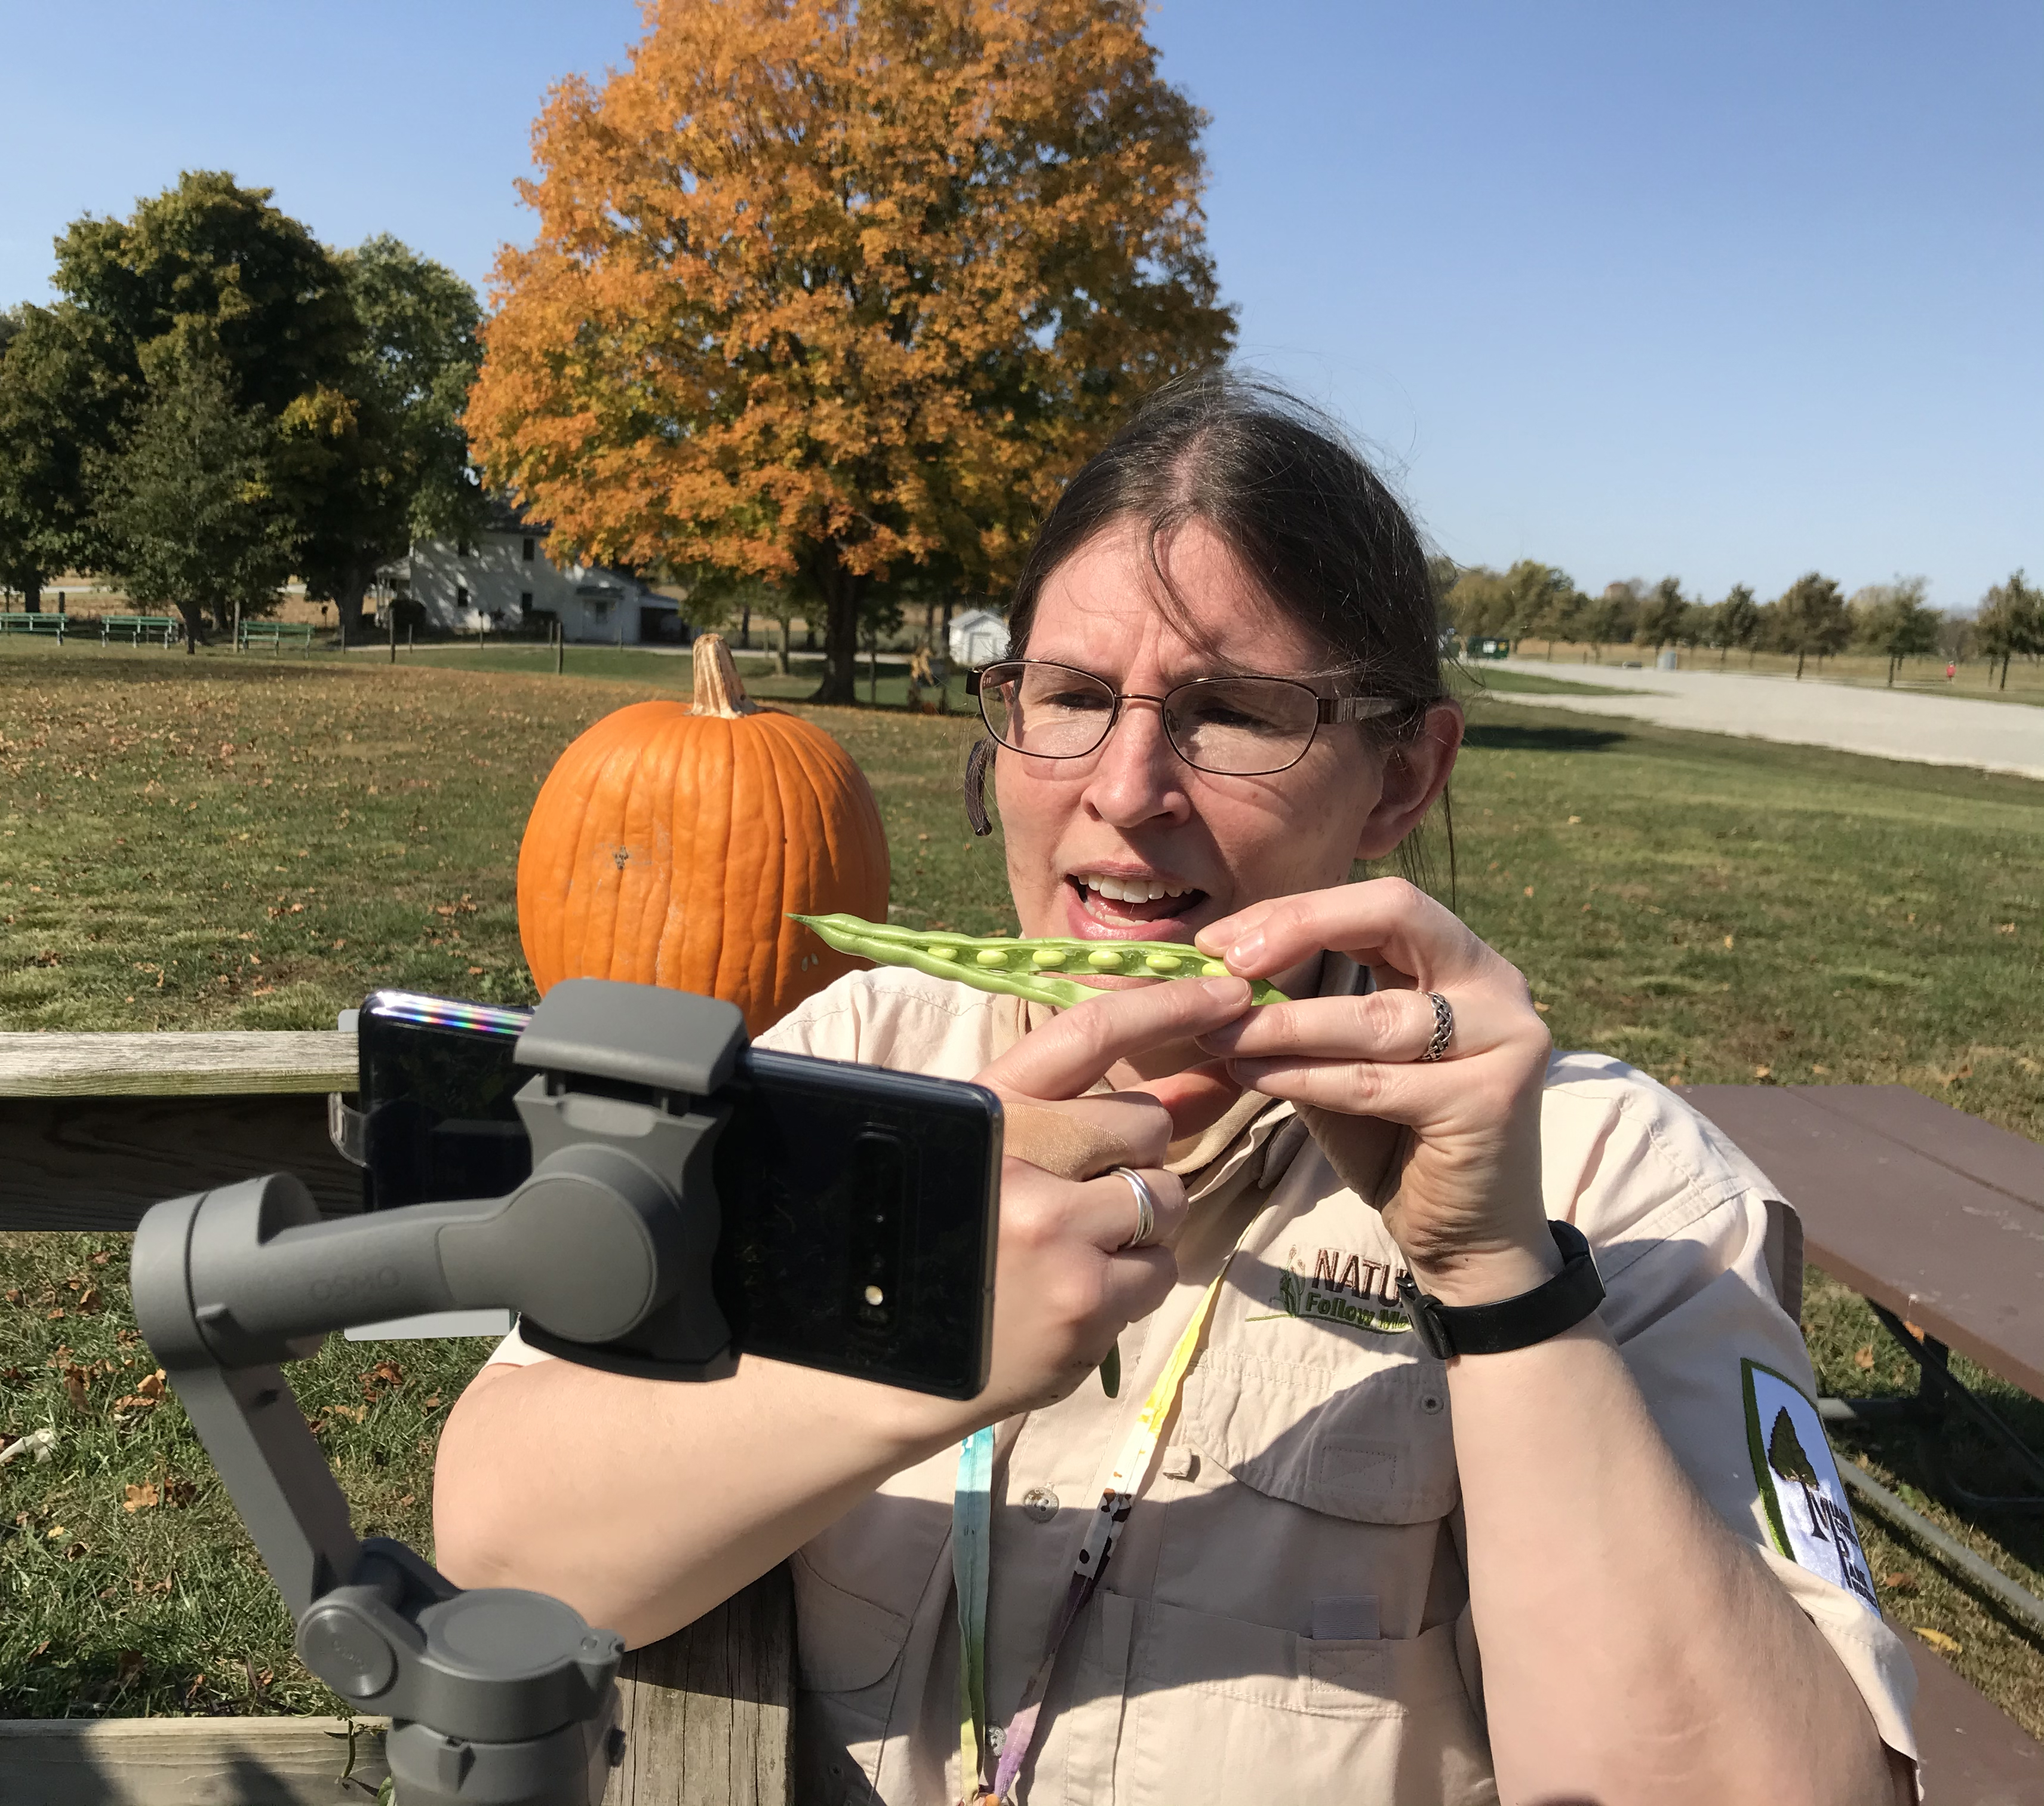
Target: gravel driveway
x,y
1932,730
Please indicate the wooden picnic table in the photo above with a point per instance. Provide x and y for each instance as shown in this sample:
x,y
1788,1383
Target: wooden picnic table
x,y
1937,1218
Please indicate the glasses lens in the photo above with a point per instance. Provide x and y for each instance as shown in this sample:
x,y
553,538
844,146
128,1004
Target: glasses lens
x,y
1052,711
1241,726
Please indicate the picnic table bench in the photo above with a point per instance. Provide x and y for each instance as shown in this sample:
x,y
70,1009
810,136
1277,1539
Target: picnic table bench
x,y
1937,1219
95,1129
135,628
20,620
276,633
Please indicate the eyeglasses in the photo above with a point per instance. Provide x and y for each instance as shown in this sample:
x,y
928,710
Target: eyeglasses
x,y
1233,727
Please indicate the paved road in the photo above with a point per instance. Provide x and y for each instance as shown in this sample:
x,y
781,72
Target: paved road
x,y
1932,730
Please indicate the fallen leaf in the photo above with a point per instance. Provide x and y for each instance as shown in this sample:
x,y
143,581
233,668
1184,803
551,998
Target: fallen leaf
x,y
1937,1640
140,1498
1762,1071
1728,940
178,1493
101,1257
89,1300
1863,1358
57,1529
1543,1007
12,1295
151,1388
128,1666
1899,1582
1529,890
75,1380
432,1401
55,1314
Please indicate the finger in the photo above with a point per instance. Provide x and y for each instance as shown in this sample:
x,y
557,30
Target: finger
x,y
1081,1136
1384,922
1111,1213
1070,1055
1385,1025
1395,1092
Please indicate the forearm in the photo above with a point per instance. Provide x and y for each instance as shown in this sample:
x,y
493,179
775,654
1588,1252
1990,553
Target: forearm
x,y
1633,1648
644,1503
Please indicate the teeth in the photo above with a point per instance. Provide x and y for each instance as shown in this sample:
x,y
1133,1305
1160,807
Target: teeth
x,y
1129,890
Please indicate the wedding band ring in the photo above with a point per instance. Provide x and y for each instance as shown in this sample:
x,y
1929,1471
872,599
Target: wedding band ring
x,y
1146,1208
1444,1026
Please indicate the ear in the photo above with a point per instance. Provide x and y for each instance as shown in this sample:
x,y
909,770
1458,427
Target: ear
x,y
1415,773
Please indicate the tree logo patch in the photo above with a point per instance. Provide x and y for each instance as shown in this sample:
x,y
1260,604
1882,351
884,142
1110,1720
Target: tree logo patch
x,y
1808,1516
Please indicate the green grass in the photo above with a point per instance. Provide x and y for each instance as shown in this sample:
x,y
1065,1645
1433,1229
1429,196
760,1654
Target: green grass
x,y
241,841
1480,677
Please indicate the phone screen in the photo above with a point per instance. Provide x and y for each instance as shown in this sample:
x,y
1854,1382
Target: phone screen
x,y
857,1205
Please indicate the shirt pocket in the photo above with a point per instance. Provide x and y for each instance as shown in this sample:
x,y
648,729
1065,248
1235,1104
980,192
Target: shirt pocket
x,y
1249,1707
1353,1428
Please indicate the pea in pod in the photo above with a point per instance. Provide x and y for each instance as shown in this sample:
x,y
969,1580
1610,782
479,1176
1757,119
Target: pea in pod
x,y
1033,969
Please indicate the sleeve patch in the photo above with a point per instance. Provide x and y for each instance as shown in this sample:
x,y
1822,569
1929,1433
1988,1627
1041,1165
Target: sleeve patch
x,y
1807,1515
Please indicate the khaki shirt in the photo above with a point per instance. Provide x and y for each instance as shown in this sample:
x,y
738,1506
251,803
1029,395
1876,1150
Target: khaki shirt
x,y
1286,1616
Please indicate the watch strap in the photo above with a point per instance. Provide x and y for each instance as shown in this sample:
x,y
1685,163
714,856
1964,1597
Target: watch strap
x,y
1559,1303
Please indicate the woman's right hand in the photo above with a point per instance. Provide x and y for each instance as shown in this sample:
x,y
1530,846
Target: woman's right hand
x,y
1066,1282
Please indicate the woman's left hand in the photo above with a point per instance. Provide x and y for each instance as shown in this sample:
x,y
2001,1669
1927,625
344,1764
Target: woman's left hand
x,y
1448,1150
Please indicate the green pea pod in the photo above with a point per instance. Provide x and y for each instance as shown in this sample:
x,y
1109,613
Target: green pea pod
x,y
1031,969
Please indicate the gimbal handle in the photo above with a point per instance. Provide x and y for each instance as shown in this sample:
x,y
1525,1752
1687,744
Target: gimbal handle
x,y
497,1696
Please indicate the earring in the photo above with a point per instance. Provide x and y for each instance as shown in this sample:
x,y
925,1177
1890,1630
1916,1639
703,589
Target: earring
x,y
976,762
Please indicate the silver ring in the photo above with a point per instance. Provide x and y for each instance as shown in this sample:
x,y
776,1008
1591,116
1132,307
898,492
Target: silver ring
x,y
1444,1026
1146,1208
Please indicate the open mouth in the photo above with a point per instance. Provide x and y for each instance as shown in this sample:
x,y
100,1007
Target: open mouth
x,y
1109,904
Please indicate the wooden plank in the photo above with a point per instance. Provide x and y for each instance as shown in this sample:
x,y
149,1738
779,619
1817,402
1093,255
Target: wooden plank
x,y
708,1713
98,1164
233,1061
190,1762
2011,1163
1973,1753
1961,1258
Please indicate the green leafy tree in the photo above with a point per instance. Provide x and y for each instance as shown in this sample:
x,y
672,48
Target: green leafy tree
x,y
59,402
1738,623
378,457
1543,601
1809,616
1662,613
190,516
1481,604
1608,620
1893,619
2011,622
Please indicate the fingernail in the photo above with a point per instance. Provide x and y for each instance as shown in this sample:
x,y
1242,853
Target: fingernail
x,y
1228,988
1247,951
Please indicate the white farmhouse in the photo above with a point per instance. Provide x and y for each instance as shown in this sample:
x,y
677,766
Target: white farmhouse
x,y
506,579
978,637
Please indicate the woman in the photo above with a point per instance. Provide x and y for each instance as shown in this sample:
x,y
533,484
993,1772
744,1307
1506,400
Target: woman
x,y
1569,1568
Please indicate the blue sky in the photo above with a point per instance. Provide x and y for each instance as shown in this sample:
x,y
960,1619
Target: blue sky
x,y
1726,291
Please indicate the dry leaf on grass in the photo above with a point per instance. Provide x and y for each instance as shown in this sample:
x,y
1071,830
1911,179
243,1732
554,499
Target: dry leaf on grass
x,y
140,1498
1937,1640
1863,1358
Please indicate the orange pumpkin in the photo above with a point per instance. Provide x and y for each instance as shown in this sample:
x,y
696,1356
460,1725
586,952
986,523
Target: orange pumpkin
x,y
669,843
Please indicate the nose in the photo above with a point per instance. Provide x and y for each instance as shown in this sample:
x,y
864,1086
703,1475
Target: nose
x,y
1137,776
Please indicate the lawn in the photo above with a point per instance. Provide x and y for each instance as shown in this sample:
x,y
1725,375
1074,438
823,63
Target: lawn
x,y
229,840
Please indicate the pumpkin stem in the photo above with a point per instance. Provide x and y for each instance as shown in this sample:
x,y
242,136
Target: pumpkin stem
x,y
719,690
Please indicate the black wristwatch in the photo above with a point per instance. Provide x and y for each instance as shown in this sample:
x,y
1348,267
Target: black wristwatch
x,y
1445,1331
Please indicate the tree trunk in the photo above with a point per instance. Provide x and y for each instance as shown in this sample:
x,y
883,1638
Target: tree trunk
x,y
787,626
1799,665
2004,671
195,618
839,590
32,593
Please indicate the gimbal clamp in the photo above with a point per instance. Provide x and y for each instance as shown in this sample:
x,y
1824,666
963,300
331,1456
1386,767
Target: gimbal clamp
x,y
497,1696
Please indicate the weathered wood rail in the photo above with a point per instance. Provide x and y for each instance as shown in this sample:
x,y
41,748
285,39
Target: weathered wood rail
x,y
95,1129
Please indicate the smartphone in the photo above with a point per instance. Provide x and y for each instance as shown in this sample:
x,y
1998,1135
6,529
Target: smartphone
x,y
859,1206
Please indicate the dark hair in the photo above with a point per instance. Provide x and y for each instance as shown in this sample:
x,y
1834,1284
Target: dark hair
x,y
1331,546
1326,542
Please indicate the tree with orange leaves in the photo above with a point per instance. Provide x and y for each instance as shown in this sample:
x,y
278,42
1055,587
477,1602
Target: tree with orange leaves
x,y
824,288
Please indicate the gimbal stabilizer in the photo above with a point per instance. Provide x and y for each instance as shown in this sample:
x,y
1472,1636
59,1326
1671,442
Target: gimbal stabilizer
x,y
498,1697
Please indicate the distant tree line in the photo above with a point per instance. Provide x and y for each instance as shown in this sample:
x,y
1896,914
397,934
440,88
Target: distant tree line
x,y
216,401
1813,617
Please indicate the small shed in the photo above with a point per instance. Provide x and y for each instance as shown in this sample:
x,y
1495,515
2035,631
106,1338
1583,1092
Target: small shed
x,y
978,637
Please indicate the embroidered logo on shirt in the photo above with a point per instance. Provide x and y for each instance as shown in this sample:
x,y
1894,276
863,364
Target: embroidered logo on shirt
x,y
1806,1513
1345,1288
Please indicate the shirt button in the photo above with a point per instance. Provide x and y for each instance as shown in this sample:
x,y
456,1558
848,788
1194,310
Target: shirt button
x,y
1040,1503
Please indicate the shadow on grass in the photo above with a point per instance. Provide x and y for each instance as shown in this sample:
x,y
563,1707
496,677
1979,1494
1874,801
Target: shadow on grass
x,y
1495,736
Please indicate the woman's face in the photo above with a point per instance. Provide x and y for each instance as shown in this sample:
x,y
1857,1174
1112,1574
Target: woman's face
x,y
1131,843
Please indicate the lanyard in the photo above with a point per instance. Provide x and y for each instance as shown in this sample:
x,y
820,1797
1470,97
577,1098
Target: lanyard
x,y
971,1527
